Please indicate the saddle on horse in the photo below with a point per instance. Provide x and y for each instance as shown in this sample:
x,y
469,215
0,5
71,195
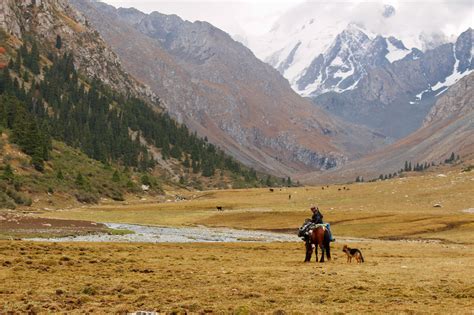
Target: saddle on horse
x,y
305,230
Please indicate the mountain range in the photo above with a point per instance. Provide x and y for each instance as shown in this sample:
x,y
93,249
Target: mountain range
x,y
218,88
448,128
367,78
330,104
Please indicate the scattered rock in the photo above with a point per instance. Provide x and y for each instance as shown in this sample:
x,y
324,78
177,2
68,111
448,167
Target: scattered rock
x,y
437,205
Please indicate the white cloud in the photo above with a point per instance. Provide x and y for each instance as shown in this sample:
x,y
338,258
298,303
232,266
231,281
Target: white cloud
x,y
249,18
243,17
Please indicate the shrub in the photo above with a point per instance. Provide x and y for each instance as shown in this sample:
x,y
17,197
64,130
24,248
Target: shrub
x,y
86,197
89,290
116,195
6,202
19,198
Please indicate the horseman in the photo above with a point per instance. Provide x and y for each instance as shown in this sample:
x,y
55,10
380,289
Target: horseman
x,y
317,218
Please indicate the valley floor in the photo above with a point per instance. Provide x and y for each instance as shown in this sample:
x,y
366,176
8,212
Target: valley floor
x,y
419,258
397,277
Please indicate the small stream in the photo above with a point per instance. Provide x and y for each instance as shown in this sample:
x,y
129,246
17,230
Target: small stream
x,y
156,234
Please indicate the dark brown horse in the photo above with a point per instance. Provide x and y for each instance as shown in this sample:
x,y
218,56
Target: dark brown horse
x,y
318,237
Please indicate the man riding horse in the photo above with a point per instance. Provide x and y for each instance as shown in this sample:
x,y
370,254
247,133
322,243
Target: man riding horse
x,y
316,234
317,218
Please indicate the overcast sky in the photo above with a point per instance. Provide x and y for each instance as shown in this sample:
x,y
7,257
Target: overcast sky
x,y
256,17
233,16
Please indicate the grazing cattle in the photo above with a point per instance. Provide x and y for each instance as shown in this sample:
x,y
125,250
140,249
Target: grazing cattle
x,y
322,188
219,208
289,197
339,189
271,189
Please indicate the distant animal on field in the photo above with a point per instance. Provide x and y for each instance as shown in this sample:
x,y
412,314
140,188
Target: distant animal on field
x,y
322,188
219,208
353,253
271,189
339,189
289,197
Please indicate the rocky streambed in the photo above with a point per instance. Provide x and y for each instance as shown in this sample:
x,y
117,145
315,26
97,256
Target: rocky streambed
x,y
156,234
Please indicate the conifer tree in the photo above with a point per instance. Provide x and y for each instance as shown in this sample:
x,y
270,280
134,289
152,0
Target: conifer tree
x,y
59,42
8,173
116,177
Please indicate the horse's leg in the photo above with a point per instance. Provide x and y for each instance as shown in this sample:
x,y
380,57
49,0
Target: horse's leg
x,y
322,253
308,252
316,252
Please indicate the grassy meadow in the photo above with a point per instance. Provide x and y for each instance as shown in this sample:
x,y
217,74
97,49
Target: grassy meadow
x,y
392,209
418,258
101,278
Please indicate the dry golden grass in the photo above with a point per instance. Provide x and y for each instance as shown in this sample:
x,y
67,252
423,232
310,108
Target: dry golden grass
x,y
399,208
397,277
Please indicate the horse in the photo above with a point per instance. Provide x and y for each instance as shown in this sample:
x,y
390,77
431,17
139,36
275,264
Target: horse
x,y
319,236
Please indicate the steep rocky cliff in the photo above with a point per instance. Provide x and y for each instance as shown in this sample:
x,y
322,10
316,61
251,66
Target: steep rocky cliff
x,y
220,89
45,20
457,102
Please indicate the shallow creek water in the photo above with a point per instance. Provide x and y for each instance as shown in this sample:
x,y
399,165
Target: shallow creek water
x,y
158,234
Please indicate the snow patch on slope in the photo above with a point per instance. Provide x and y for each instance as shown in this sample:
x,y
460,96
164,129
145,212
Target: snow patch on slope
x,y
454,77
395,53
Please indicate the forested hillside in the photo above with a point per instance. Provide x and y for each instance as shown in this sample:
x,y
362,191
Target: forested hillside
x,y
43,98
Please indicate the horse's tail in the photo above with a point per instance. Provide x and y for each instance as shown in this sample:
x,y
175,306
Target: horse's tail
x,y
327,238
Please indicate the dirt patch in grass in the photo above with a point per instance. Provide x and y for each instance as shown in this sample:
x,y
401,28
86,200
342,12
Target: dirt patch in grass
x,y
20,226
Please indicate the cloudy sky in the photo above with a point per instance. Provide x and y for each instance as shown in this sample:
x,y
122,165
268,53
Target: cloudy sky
x,y
255,17
249,17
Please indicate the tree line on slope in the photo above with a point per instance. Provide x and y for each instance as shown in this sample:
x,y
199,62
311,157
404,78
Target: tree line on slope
x,y
55,102
418,167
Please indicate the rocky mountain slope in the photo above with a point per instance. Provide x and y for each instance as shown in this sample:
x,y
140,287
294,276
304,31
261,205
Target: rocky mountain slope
x,y
394,97
448,127
73,121
221,90
46,19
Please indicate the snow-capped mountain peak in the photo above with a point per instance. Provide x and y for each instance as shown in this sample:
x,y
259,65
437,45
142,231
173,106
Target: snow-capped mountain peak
x,y
345,62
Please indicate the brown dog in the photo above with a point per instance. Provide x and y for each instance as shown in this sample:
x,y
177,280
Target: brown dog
x,y
353,252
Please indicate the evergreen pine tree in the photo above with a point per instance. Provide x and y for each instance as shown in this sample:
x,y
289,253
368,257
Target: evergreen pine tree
x,y
59,175
268,181
80,180
59,42
37,160
116,177
8,173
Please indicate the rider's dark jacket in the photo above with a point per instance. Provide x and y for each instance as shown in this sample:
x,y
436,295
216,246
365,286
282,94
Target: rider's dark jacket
x,y
317,217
